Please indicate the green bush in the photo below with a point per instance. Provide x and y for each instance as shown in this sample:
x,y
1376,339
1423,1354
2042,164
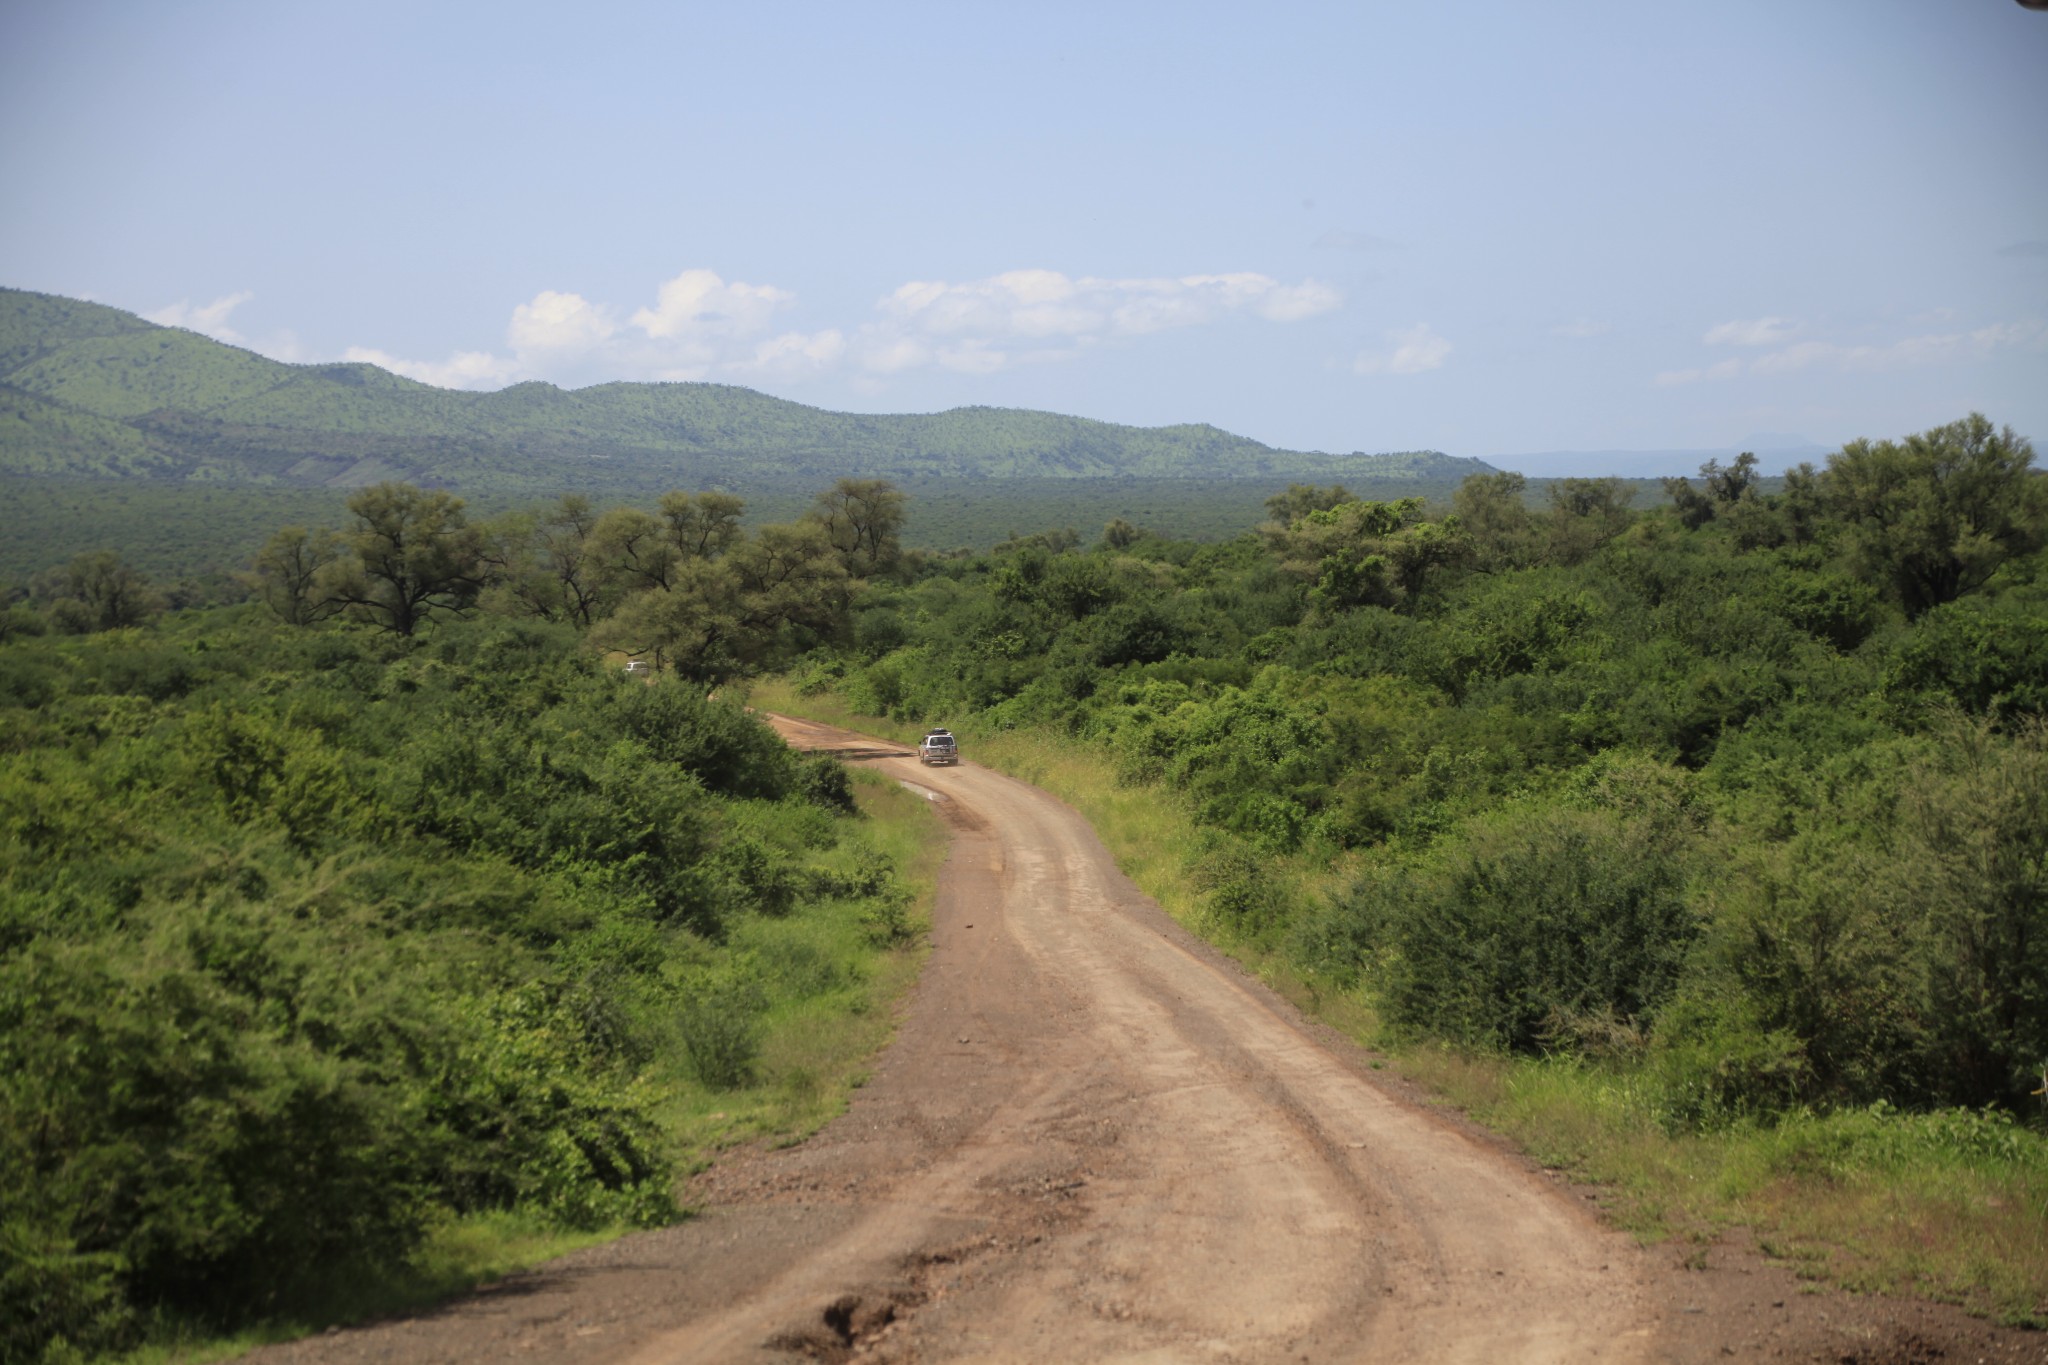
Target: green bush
x,y
721,1025
1530,921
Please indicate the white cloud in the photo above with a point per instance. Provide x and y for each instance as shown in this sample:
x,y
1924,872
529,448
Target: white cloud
x,y
697,303
1027,304
1930,348
798,355
1048,307
974,356
1726,369
558,322
702,326
1292,303
1906,353
1414,350
208,319
893,355
1797,357
1757,332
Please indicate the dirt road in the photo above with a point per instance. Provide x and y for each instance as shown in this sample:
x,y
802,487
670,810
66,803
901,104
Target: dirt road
x,y
1095,1139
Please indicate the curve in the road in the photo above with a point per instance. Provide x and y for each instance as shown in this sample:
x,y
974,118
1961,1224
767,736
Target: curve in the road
x,y
1239,1190
1093,1138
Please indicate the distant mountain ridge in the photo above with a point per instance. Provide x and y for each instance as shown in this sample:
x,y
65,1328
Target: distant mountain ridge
x,y
88,389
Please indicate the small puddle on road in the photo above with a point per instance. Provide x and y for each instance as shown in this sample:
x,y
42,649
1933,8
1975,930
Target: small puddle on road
x,y
926,792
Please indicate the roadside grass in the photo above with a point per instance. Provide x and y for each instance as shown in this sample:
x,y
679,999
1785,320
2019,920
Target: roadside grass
x,y
829,991
1951,1206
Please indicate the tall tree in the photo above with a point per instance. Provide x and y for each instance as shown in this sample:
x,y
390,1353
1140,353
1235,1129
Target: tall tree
x,y
1361,554
718,618
1935,515
702,525
1494,510
863,518
635,550
289,572
99,591
1584,515
414,555
1725,488
554,566
1300,499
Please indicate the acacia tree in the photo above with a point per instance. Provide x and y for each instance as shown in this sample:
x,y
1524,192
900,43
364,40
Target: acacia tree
x,y
863,519
633,550
1360,554
98,590
1300,499
1494,510
715,602
1120,534
793,576
413,554
1934,516
1584,515
290,569
702,525
692,626
554,566
1725,488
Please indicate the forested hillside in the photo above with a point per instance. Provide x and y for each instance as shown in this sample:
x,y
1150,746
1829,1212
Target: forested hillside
x,y
86,389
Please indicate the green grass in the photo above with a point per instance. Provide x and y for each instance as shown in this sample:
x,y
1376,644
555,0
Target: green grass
x,y
1950,1206
831,998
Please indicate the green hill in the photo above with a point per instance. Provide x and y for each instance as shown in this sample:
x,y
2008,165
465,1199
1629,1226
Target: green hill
x,y
91,390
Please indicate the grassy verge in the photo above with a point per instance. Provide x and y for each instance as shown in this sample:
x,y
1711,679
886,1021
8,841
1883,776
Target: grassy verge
x,y
831,990
1951,1206
828,985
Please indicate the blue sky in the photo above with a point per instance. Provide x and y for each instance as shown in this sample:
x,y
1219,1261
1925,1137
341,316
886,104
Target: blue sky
x,y
1483,228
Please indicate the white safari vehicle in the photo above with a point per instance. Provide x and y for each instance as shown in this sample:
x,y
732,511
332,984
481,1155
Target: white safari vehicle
x,y
938,747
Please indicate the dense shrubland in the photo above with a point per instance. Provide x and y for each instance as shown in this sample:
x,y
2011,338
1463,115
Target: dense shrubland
x,y
323,926
1748,793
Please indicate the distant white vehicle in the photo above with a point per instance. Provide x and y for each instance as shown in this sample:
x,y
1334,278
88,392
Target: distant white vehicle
x,y
938,746
639,668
